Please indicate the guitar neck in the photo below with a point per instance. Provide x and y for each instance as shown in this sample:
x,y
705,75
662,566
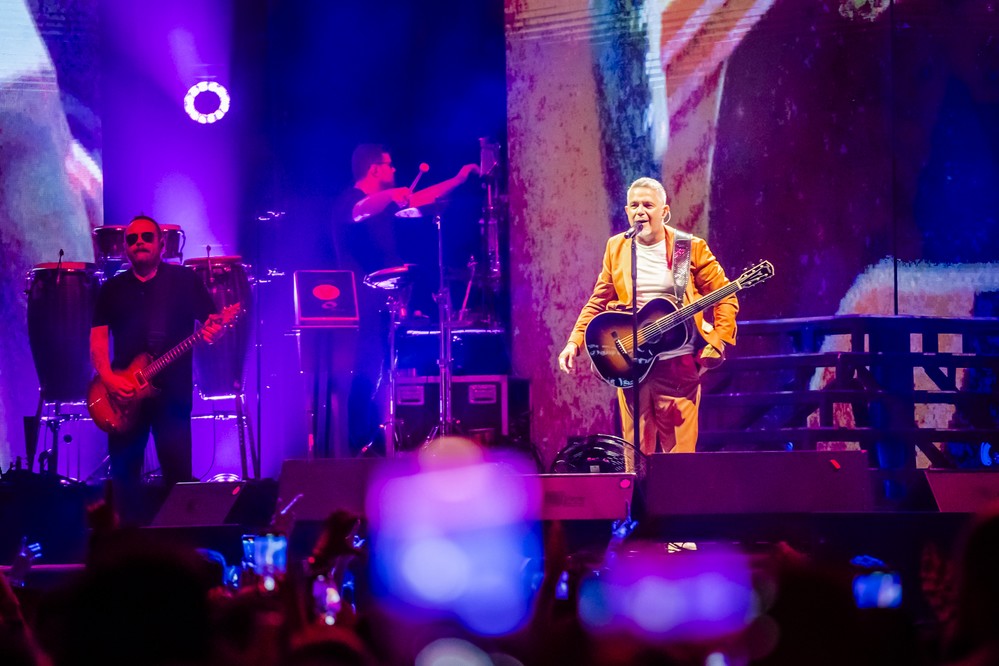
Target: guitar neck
x,y
689,310
166,359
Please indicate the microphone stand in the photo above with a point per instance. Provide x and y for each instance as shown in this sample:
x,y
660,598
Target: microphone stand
x,y
635,395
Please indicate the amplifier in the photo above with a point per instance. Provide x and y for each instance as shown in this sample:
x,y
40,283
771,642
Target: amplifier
x,y
487,408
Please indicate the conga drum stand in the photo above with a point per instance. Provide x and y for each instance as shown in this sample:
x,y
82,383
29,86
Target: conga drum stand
x,y
60,299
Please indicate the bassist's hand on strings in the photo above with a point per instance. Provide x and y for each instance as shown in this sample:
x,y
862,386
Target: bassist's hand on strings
x,y
567,359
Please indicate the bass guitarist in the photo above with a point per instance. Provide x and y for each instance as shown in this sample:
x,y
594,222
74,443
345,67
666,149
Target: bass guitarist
x,y
671,391
147,310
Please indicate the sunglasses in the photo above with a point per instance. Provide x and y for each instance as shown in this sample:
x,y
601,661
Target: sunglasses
x,y
147,237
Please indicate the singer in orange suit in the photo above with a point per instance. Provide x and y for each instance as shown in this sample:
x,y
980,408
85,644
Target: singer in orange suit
x,y
670,394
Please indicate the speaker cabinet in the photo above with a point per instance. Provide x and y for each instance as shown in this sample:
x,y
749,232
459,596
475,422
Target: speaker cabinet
x,y
313,489
217,503
758,482
963,491
586,496
310,490
198,504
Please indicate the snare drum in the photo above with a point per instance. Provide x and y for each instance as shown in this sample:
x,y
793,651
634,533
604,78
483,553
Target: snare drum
x,y
61,301
218,368
109,247
174,240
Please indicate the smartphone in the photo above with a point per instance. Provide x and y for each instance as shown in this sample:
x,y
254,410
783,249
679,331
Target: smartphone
x,y
877,589
270,558
562,587
326,598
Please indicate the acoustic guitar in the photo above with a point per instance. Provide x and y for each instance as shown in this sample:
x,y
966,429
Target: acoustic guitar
x,y
117,416
661,329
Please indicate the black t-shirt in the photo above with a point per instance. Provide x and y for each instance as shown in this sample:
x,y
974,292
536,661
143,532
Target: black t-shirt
x,y
382,240
368,245
152,317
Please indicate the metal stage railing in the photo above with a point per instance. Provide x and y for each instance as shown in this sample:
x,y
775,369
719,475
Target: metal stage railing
x,y
892,384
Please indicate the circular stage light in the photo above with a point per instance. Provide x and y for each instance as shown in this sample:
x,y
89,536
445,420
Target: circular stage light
x,y
206,93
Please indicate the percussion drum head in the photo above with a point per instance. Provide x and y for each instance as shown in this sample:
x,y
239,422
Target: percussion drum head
x,y
390,279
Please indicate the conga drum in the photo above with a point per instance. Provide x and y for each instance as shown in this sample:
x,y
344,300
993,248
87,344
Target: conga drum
x,y
61,299
218,368
174,240
109,248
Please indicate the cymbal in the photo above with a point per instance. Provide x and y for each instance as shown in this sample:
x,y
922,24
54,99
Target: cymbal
x,y
409,212
429,209
390,279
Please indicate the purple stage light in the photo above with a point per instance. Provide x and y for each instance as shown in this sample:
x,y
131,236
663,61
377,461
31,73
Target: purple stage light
x,y
200,91
447,548
670,597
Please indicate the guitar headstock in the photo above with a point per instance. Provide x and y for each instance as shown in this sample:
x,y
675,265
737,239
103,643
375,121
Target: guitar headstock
x,y
224,320
230,314
757,274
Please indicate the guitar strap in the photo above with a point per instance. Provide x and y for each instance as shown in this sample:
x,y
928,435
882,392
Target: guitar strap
x,y
681,270
681,263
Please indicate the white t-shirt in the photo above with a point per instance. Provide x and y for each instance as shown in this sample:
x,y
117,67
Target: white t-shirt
x,y
655,279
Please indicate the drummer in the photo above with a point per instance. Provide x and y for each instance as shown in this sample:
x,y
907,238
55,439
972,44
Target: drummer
x,y
375,226
368,233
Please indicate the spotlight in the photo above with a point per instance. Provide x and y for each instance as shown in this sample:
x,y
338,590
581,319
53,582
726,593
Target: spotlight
x,y
207,93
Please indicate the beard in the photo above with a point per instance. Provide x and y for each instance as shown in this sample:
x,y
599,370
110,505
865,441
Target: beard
x,y
144,261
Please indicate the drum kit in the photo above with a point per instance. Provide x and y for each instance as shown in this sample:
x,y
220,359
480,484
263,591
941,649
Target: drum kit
x,y
395,284
61,297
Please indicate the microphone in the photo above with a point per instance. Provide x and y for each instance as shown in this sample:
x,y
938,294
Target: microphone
x,y
208,260
59,267
424,167
635,230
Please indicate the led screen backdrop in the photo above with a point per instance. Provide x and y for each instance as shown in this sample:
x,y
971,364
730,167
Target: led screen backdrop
x,y
844,140
51,187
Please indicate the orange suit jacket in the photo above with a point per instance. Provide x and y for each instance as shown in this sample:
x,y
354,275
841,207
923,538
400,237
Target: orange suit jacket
x,y
613,288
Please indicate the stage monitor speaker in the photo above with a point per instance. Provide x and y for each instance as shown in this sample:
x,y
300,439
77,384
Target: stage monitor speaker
x,y
319,487
586,496
199,504
758,482
963,491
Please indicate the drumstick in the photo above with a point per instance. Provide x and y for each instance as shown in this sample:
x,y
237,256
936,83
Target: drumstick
x,y
424,167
